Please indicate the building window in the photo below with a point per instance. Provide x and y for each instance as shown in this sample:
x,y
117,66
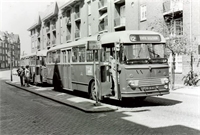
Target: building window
x,y
143,11
89,7
175,27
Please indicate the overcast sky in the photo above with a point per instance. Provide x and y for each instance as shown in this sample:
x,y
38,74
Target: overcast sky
x,y
18,15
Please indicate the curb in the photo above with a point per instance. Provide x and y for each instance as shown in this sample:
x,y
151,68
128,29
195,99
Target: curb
x,y
88,107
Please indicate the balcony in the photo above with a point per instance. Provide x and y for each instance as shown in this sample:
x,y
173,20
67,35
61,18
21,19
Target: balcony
x,y
103,26
47,29
53,42
171,6
102,5
77,16
119,22
38,46
68,21
53,27
119,1
77,34
48,43
38,34
68,37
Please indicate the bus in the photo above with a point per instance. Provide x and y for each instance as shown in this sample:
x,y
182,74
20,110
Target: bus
x,y
37,65
125,64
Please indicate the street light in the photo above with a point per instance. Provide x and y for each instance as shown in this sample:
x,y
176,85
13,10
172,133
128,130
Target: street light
x,y
9,40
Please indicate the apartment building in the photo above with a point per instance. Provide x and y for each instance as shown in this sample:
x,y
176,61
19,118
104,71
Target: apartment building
x,y
75,19
9,49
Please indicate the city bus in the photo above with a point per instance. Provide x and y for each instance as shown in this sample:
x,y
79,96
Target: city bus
x,y
138,59
37,65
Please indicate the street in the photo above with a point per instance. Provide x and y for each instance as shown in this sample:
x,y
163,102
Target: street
x,y
26,113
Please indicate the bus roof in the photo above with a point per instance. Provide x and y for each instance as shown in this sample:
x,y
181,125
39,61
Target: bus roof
x,y
124,36
28,55
74,43
112,37
42,53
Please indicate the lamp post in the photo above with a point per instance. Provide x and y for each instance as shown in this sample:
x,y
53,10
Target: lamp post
x,y
8,40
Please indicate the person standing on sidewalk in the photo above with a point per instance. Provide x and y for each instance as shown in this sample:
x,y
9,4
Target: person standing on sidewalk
x,y
27,75
20,72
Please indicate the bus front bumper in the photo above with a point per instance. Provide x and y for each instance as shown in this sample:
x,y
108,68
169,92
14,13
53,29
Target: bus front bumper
x,y
159,92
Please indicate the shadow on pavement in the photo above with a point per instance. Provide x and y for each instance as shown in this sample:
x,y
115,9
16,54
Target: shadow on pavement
x,y
149,101
129,102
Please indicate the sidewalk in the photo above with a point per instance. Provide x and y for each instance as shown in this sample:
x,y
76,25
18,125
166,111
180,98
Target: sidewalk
x,y
182,89
190,90
80,103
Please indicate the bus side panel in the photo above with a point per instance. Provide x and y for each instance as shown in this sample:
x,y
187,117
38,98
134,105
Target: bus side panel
x,y
66,76
79,77
50,70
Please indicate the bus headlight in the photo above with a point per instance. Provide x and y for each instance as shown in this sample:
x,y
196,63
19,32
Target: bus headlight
x,y
133,83
164,80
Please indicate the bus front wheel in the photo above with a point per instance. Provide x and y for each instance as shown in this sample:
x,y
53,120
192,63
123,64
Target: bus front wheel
x,y
92,91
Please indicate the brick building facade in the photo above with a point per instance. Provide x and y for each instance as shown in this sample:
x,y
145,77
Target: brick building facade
x,y
8,49
74,19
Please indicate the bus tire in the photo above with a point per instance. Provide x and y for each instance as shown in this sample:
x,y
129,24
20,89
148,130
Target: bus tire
x,y
56,83
33,79
92,91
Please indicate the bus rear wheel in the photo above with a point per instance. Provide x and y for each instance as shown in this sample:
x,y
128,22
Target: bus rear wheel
x,y
92,91
56,83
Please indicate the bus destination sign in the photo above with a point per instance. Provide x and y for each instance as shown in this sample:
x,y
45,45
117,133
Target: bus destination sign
x,y
93,45
143,38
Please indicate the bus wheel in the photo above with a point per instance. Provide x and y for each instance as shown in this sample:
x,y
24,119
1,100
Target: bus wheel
x,y
56,82
33,79
92,91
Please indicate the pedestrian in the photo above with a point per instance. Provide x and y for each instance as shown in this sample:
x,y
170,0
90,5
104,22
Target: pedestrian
x,y
27,75
20,72
112,63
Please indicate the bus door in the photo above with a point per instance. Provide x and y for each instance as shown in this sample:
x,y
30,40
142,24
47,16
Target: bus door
x,y
37,70
67,70
108,74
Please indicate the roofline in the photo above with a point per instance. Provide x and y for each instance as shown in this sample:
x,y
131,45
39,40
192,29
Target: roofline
x,y
69,3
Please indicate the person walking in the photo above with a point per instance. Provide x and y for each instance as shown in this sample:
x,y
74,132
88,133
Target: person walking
x,y
27,76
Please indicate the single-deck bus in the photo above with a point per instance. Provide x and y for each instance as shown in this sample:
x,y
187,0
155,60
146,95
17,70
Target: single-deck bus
x,y
37,64
130,63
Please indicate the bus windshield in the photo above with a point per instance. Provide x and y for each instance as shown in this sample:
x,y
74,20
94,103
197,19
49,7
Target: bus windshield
x,y
146,52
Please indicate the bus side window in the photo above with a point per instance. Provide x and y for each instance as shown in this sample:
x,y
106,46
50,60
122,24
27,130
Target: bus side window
x,y
89,56
82,54
58,56
64,56
53,57
75,54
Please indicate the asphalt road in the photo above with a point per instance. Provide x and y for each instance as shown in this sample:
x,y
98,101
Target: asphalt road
x,y
23,113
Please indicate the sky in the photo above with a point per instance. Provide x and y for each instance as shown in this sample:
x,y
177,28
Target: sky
x,y
18,15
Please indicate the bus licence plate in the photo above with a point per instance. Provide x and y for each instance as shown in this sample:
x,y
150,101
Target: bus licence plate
x,y
149,88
